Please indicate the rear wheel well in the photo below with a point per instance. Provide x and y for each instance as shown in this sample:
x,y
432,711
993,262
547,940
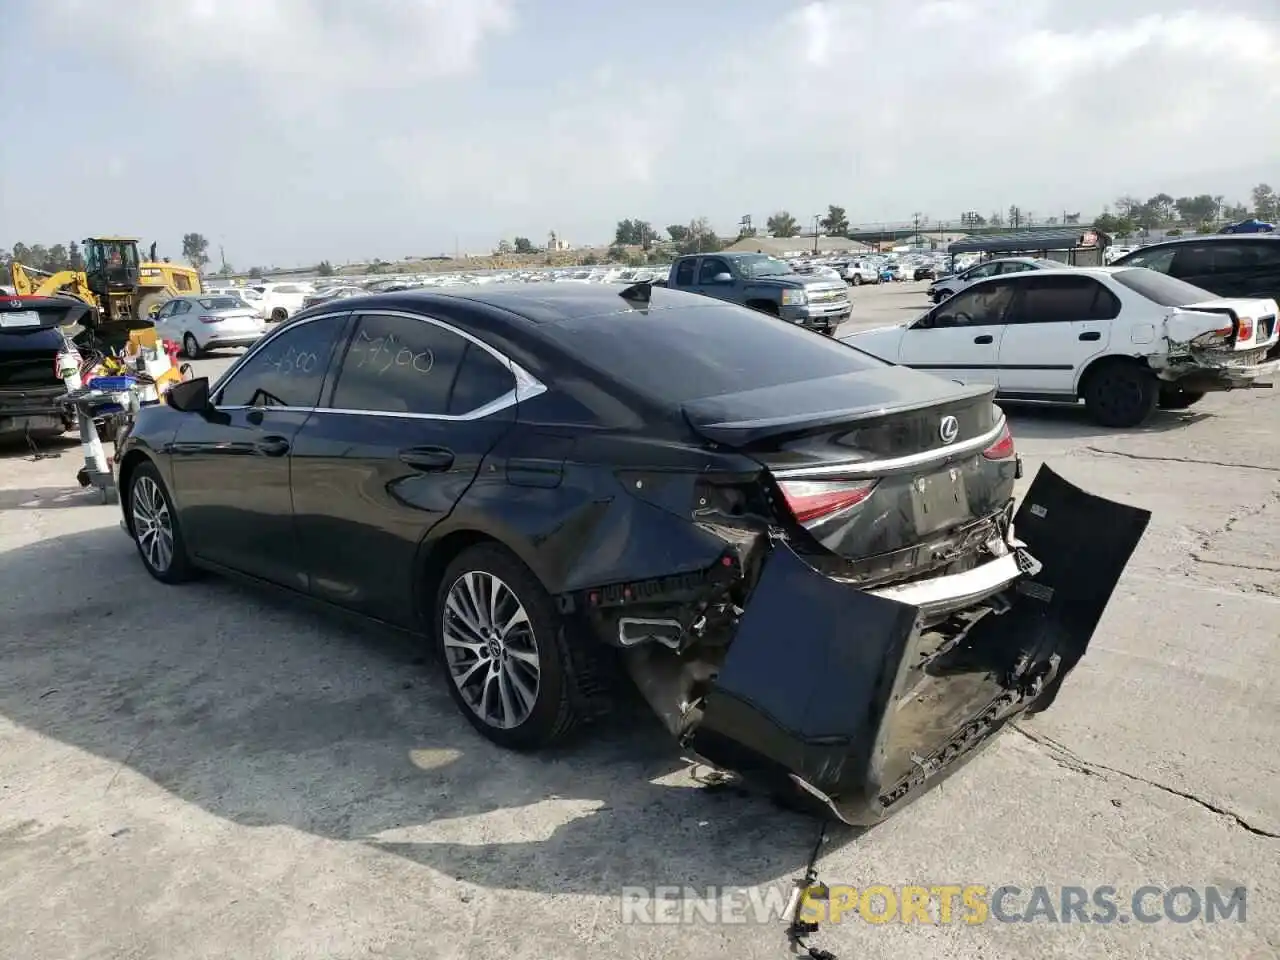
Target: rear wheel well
x,y
764,306
1100,362
436,562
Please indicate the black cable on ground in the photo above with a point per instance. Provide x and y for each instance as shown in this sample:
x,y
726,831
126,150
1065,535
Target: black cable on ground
x,y
799,929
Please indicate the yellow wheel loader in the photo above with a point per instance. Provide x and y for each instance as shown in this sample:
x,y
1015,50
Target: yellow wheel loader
x,y
123,292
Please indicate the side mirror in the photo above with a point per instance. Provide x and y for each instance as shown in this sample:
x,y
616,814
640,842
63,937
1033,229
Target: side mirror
x,y
722,278
189,396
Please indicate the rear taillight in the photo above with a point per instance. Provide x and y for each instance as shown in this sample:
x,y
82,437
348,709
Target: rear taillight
x,y
813,500
1242,327
208,319
1003,448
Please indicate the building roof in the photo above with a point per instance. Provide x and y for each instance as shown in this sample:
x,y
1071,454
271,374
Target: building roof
x,y
1063,238
781,246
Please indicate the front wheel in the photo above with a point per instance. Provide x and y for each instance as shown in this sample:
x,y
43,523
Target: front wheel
x,y
154,525
1120,394
504,652
857,280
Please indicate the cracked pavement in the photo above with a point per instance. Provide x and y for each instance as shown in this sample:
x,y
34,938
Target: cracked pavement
x,y
210,772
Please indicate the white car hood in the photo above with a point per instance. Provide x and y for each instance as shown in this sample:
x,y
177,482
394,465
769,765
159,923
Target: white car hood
x,y
882,342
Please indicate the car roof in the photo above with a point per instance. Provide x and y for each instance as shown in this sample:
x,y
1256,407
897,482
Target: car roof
x,y
1216,237
541,303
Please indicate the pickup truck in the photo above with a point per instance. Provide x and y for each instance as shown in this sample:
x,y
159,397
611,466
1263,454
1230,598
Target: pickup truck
x,y
766,284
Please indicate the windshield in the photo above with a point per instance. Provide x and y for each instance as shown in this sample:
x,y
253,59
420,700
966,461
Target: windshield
x,y
221,303
1159,288
761,266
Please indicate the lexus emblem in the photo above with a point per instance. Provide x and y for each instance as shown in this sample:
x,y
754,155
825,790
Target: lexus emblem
x,y
949,429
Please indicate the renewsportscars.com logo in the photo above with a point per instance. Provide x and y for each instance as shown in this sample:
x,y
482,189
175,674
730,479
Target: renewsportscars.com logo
x,y
937,904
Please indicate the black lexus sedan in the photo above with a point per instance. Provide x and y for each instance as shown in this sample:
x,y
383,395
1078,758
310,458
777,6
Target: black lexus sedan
x,y
803,557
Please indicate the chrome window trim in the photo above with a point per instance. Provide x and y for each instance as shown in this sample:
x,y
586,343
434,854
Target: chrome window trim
x,y
527,386
875,468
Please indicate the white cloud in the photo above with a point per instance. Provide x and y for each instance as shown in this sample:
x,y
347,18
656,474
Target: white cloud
x,y
293,51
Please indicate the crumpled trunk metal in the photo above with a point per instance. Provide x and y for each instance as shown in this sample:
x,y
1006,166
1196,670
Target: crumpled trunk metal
x,y
844,693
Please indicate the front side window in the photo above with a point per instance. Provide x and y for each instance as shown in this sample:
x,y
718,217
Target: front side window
x,y
684,273
286,371
398,364
710,269
984,305
1158,260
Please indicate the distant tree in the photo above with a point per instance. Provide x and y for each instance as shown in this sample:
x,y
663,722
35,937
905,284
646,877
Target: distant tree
x,y
1128,206
782,224
255,273
1071,218
678,233
1231,211
58,258
744,232
195,249
75,260
1197,209
21,254
522,245
1125,228
996,219
503,248
835,223
972,218
700,237
1107,223
633,233
1266,205
38,257
324,268
1160,209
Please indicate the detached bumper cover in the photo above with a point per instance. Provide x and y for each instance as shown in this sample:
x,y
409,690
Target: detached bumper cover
x,y
823,686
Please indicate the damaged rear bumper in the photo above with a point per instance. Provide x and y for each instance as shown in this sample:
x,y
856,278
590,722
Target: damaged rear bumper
x,y
1212,376
849,694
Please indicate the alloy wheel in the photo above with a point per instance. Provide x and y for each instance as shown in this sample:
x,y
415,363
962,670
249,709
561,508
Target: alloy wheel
x,y
490,649
152,524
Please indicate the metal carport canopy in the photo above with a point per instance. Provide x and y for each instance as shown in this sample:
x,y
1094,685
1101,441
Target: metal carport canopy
x,y
1027,240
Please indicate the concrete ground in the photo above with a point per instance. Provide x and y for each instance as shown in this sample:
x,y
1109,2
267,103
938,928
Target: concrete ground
x,y
207,771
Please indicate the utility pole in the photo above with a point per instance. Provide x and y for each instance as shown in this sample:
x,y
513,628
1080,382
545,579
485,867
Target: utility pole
x,y
816,218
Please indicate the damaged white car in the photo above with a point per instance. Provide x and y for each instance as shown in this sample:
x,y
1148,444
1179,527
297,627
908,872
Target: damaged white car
x,y
1125,340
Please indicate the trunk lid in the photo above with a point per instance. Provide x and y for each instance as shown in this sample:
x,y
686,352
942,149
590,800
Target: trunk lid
x,y
890,470
31,339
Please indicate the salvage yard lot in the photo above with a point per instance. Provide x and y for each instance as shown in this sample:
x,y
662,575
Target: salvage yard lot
x,y
209,771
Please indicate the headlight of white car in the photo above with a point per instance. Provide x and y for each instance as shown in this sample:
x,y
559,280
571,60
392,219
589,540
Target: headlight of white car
x,y
794,298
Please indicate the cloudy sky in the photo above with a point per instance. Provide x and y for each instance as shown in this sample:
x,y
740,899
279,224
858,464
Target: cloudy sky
x,y
294,130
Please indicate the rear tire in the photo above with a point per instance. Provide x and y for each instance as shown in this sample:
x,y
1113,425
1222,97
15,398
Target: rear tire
x,y
190,346
1174,399
522,648
1120,394
857,280
279,315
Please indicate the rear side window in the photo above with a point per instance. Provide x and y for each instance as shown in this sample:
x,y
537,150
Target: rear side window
x,y
482,378
684,273
399,365
1158,260
288,370
1065,299
1158,288
676,355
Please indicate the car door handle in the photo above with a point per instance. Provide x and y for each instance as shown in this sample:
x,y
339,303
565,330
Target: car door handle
x,y
985,338
1090,335
427,459
272,446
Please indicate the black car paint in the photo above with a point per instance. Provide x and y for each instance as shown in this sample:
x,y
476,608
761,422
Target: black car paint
x,y
1259,280
30,391
621,506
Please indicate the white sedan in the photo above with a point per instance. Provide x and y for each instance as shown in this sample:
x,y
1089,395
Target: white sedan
x,y
202,321
1123,339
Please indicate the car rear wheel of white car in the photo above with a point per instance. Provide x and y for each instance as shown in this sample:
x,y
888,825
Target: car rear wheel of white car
x,y
190,346
154,525
1120,393
279,315
857,280
504,651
